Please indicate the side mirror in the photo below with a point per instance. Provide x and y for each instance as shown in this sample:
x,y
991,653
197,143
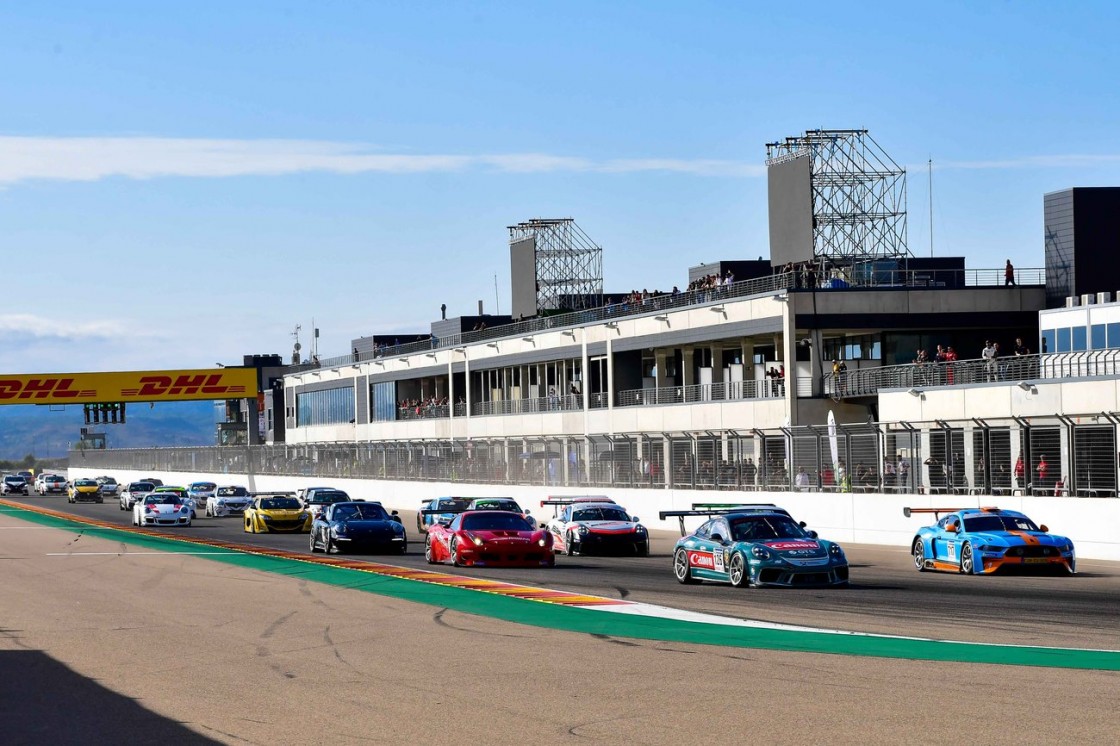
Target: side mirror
x,y
717,538
544,525
1044,528
812,534
802,524
635,518
952,528
393,512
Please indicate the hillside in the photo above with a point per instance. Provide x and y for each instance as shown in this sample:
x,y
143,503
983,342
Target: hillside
x,y
46,433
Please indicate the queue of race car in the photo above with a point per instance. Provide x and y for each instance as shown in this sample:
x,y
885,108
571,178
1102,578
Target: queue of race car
x,y
739,544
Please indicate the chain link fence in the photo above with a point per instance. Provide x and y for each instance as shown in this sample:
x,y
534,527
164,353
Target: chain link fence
x,y
1059,455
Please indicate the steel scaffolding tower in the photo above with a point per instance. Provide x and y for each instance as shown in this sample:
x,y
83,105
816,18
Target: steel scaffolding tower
x,y
569,265
858,194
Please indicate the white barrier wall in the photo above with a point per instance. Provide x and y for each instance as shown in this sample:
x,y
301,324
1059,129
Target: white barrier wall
x,y
863,518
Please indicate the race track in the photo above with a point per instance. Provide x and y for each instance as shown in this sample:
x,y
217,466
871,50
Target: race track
x,y
887,594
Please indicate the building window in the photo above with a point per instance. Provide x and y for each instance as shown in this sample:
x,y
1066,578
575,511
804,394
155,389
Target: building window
x,y
1097,337
1063,340
1050,339
1079,341
1114,335
326,407
383,397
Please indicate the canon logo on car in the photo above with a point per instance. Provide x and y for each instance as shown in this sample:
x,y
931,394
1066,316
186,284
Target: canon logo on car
x,y
698,559
783,545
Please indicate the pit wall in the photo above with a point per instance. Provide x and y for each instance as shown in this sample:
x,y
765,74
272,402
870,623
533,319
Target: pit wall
x,y
863,518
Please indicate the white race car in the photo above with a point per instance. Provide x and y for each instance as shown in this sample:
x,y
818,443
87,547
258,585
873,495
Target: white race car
x,y
228,500
161,509
135,492
595,525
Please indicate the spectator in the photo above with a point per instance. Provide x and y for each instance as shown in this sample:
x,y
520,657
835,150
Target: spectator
x,y
1020,472
950,360
801,481
1008,274
888,472
1043,470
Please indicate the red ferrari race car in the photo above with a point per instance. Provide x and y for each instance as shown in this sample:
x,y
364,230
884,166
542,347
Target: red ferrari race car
x,y
489,538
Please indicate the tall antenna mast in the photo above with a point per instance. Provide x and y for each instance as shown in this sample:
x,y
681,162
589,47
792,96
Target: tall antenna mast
x,y
931,207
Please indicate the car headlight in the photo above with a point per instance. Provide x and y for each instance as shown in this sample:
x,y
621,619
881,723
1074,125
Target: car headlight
x,y
338,531
990,548
267,517
541,542
639,529
760,553
184,509
477,541
835,550
304,516
584,530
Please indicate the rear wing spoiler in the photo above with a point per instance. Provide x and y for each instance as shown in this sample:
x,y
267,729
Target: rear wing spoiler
x,y
739,506
444,511
680,515
938,511
557,502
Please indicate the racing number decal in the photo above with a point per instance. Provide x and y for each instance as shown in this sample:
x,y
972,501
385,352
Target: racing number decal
x,y
951,550
718,558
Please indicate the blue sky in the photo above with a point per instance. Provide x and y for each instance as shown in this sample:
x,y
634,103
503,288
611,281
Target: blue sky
x,y
184,184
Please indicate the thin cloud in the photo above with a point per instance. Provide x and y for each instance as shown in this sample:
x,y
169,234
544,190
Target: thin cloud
x,y
30,326
95,158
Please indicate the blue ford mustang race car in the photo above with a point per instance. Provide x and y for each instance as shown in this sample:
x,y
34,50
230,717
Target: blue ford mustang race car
x,y
755,545
987,540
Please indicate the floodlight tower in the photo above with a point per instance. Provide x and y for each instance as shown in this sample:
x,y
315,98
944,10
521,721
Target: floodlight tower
x,y
554,266
855,208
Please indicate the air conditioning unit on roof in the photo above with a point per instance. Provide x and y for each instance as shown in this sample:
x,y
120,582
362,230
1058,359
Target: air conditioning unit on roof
x,y
1088,300
1071,301
1105,297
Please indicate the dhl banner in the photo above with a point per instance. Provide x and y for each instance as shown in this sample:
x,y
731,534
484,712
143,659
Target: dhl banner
x,y
139,386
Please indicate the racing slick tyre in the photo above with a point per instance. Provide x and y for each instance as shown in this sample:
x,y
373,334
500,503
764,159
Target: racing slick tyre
x,y
404,547
569,541
737,571
314,547
551,560
919,552
968,563
681,569
455,551
428,551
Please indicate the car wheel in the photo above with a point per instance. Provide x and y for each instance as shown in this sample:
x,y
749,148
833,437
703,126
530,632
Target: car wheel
x,y
314,546
428,551
737,571
569,541
249,528
919,552
404,547
681,569
968,566
330,547
550,560
455,551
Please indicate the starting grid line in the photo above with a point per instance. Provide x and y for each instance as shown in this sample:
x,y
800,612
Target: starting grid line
x,y
528,593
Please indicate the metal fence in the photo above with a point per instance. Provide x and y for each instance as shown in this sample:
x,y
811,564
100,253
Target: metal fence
x,y
1021,368
1058,455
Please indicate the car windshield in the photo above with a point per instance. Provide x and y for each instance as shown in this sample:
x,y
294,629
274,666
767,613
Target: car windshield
x,y
326,498
162,498
600,514
232,492
766,528
85,483
203,486
13,479
496,505
53,478
983,523
107,480
279,503
360,512
177,492
142,487
495,521
451,505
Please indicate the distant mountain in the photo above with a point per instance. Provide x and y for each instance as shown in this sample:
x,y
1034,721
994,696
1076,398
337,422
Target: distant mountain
x,y
46,433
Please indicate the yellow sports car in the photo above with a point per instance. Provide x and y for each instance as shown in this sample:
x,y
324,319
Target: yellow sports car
x,y
85,489
276,512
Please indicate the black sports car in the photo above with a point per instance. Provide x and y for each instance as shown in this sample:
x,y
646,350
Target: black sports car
x,y
357,526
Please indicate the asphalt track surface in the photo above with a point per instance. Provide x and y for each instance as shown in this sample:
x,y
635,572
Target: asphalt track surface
x,y
102,641
887,595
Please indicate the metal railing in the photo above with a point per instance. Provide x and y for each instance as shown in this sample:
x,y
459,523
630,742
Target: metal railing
x,y
1025,368
704,392
1061,455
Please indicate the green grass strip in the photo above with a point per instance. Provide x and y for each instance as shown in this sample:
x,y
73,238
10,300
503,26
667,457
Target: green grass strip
x,y
598,622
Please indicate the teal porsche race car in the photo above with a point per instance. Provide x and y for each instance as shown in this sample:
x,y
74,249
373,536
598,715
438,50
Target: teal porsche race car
x,y
759,545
